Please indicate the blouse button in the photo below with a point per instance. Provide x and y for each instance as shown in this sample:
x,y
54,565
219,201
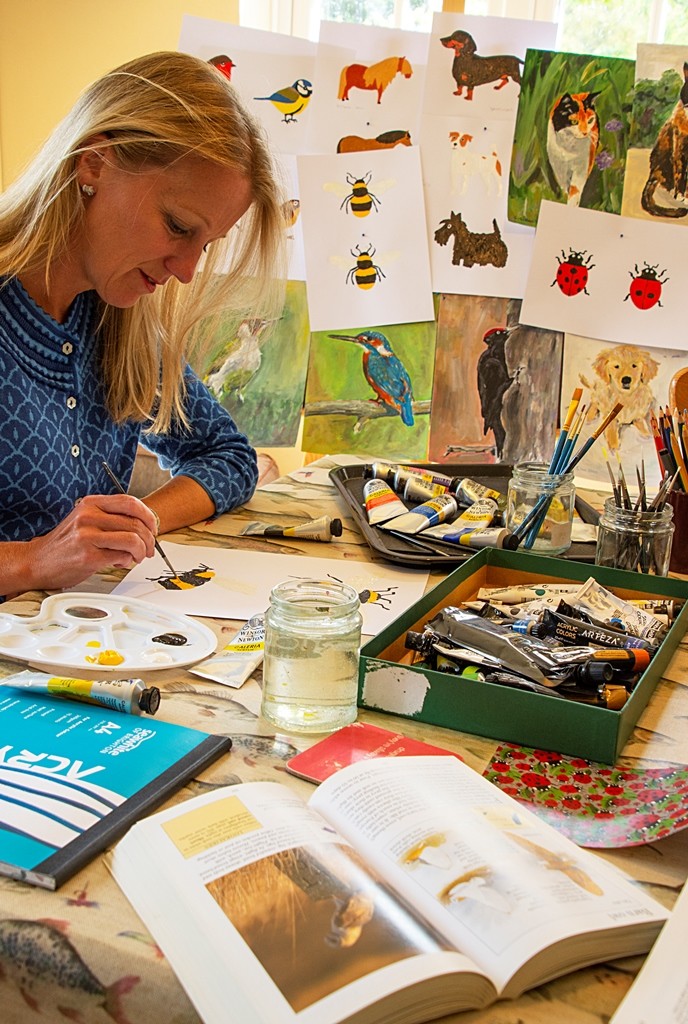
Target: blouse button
x,y
76,451
71,402
68,348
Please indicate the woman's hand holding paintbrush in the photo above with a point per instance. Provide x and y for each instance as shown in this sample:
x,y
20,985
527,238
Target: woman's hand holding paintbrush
x,y
101,530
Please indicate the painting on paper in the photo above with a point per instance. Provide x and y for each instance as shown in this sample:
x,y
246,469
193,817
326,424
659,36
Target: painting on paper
x,y
273,73
496,390
475,64
635,376
572,131
610,277
231,583
368,391
257,371
474,250
372,96
365,238
657,163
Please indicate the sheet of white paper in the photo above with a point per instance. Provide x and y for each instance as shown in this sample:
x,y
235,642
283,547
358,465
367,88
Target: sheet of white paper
x,y
365,264
493,37
466,175
585,277
241,582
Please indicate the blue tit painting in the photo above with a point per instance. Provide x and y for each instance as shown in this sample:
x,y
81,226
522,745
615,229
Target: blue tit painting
x,y
385,372
291,100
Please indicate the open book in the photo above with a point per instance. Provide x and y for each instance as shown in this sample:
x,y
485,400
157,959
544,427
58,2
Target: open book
x,y
407,888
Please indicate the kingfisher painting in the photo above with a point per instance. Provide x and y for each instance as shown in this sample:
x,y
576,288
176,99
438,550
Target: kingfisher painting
x,y
385,373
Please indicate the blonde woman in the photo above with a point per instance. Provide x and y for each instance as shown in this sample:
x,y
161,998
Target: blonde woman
x,y
111,243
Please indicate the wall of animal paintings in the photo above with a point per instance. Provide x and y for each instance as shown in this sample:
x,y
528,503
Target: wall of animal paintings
x,y
477,224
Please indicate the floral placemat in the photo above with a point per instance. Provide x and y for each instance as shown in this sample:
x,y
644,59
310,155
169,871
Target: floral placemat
x,y
595,805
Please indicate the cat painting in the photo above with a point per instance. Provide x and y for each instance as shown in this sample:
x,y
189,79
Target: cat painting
x,y
573,135
669,159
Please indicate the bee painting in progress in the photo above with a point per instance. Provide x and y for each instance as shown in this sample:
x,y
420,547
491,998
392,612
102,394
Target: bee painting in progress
x,y
184,580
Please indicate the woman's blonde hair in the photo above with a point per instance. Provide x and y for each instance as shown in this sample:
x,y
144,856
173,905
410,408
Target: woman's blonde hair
x,y
150,112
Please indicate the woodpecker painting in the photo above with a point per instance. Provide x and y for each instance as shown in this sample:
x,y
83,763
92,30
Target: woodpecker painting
x,y
385,373
494,380
238,363
291,100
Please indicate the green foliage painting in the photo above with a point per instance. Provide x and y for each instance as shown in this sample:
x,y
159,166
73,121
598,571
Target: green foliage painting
x,y
258,372
547,77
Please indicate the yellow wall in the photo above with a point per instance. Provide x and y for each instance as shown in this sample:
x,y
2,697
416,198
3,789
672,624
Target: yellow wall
x,y
51,49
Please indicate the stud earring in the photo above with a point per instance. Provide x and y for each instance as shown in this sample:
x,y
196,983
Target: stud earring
x,y
88,190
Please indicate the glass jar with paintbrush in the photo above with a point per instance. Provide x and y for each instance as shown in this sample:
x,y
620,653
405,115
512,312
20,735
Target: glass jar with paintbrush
x,y
636,536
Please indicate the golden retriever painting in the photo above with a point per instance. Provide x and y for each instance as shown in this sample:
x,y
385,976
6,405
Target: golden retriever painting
x,y
622,374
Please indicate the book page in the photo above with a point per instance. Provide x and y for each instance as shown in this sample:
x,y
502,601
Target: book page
x,y
498,882
660,992
256,895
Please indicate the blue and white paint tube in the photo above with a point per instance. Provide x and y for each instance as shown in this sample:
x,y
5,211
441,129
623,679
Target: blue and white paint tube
x,y
472,528
430,513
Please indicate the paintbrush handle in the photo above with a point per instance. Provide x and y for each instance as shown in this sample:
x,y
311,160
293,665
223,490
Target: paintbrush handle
x,y
121,490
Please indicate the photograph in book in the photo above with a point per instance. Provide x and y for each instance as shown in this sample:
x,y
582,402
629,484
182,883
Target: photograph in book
x,y
405,889
508,376
335,910
655,182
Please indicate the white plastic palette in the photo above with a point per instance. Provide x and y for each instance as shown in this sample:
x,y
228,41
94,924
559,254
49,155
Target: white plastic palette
x,y
99,632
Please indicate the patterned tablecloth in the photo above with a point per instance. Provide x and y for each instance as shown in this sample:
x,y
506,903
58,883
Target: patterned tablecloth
x,y
82,954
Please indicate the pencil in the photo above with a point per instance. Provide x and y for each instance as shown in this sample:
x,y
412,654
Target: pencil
x,y
158,546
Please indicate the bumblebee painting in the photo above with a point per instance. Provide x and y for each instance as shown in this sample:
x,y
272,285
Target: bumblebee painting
x,y
357,197
365,273
184,580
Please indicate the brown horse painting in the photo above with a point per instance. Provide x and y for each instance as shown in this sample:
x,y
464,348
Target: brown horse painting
x,y
376,76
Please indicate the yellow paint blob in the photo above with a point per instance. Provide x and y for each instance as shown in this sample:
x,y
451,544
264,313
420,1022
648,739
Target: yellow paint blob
x,y
105,658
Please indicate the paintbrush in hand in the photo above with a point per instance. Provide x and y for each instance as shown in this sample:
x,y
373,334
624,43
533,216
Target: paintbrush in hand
x,y
158,546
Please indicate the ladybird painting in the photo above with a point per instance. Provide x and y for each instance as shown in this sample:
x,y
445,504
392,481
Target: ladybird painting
x,y
646,286
572,273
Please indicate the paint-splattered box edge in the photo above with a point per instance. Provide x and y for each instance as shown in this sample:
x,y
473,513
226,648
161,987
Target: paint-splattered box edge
x,y
498,712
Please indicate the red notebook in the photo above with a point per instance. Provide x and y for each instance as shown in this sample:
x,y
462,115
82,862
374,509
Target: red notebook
x,y
356,742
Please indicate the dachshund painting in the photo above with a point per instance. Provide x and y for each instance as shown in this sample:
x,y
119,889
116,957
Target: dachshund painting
x,y
469,69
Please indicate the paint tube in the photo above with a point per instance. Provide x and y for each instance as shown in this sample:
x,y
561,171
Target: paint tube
x,y
469,491
380,471
450,483
416,490
520,594
324,528
606,695
520,654
472,528
600,602
574,631
239,658
428,514
128,695
381,503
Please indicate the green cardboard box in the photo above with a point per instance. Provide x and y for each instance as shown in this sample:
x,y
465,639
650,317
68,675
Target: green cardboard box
x,y
502,712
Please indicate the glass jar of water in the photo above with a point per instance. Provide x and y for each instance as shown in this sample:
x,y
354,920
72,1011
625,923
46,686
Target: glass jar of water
x,y
310,667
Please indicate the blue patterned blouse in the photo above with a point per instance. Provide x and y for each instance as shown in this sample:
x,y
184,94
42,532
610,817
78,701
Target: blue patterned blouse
x,y
55,430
